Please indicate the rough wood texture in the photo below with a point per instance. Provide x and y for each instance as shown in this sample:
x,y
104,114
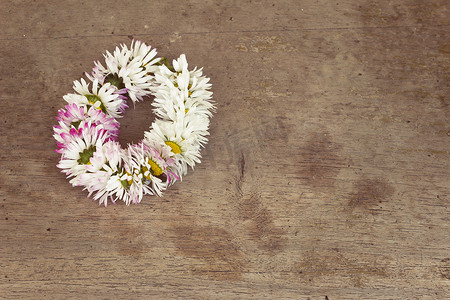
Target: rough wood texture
x,y
326,176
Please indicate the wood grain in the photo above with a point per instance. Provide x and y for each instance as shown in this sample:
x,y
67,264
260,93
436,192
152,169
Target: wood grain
x,y
327,173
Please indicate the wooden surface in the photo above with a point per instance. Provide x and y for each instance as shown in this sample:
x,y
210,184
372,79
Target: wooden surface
x,y
326,175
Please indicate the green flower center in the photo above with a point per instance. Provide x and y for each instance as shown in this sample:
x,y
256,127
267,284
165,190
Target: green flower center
x,y
115,80
92,99
86,155
76,124
126,183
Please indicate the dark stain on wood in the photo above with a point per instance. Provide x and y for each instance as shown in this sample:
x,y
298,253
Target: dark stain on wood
x,y
259,223
276,130
212,249
320,161
444,268
445,48
371,13
241,166
240,177
334,263
370,193
405,64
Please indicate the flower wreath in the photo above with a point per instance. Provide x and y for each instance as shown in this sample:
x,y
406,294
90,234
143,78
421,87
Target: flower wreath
x,y
87,128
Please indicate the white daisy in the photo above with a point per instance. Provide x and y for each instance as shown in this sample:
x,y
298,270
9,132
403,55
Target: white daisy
x,y
105,165
76,156
181,91
193,120
180,66
169,98
103,99
162,156
144,54
147,166
96,182
169,104
118,188
183,144
128,69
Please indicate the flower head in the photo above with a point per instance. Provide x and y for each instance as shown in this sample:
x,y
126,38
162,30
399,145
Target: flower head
x,y
81,146
128,70
74,116
104,99
105,165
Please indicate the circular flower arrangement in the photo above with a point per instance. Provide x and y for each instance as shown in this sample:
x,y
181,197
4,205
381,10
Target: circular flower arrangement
x,y
87,128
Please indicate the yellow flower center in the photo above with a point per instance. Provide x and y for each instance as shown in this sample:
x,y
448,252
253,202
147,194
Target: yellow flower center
x,y
175,147
145,171
154,169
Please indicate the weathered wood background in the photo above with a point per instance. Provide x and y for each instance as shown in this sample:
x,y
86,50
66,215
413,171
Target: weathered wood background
x,y
327,174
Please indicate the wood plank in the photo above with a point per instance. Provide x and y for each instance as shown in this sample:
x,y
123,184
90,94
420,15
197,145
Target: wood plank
x,y
326,175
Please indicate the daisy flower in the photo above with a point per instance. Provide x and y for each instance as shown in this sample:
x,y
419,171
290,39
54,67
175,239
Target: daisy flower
x,y
191,118
73,115
148,167
78,152
161,160
183,144
181,91
180,76
103,99
104,166
128,69
117,188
